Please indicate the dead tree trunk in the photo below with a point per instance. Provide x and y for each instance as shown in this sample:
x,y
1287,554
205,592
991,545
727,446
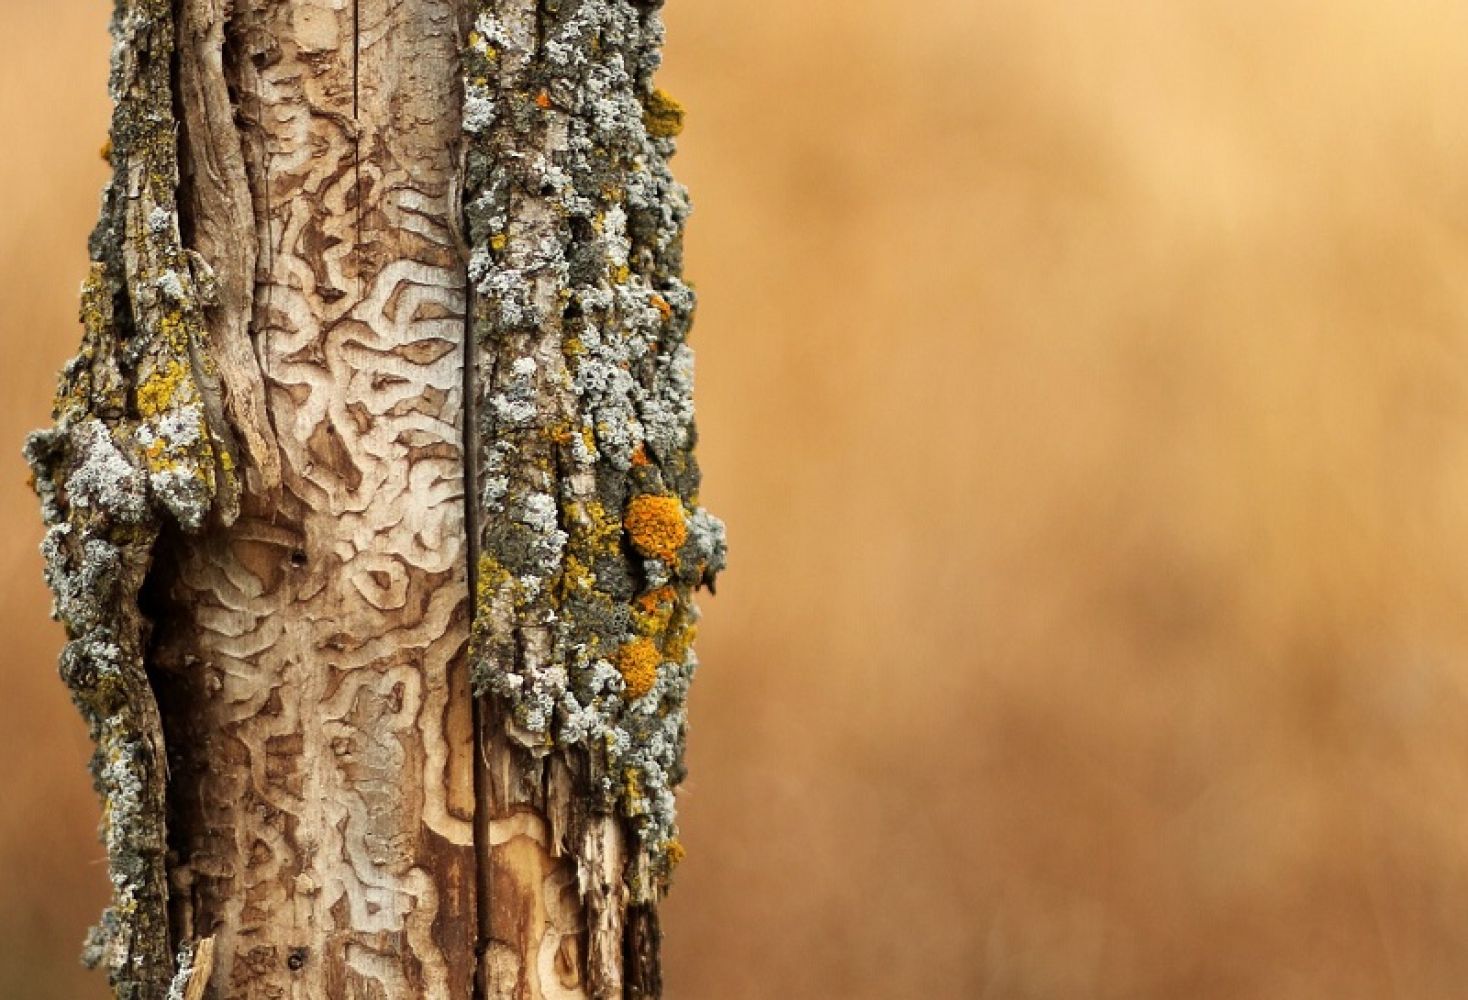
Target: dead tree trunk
x,y
371,502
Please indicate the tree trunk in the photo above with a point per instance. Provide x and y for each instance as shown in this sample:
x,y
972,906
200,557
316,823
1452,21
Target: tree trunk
x,y
371,499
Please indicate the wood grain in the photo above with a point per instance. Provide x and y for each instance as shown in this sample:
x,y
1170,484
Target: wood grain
x,y
311,662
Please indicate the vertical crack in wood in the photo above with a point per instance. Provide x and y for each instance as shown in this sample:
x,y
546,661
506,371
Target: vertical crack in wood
x,y
357,133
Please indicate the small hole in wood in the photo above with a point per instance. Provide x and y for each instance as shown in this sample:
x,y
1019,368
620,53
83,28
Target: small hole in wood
x,y
297,959
298,557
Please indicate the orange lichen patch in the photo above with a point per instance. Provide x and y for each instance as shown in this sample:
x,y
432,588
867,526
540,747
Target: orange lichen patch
x,y
649,602
676,853
637,662
543,101
661,305
652,612
656,526
639,456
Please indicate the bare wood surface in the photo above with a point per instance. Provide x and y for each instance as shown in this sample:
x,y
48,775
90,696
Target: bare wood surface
x,y
311,655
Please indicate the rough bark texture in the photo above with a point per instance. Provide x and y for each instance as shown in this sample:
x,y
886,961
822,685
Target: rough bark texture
x,y
138,443
343,236
590,536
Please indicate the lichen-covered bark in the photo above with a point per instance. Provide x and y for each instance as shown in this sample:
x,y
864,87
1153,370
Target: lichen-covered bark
x,y
591,539
139,443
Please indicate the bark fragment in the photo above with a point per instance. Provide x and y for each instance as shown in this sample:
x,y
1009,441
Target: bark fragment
x,y
591,539
137,444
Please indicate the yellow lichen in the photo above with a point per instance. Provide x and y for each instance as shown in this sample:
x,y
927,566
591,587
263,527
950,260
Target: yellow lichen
x,y
592,528
621,274
656,526
490,577
663,115
576,576
498,242
680,641
156,393
676,852
637,662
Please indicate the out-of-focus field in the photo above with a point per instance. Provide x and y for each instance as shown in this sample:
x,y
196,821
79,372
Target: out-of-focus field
x,y
1086,389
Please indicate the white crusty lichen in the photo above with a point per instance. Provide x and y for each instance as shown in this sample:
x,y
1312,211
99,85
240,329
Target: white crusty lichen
x,y
591,538
178,989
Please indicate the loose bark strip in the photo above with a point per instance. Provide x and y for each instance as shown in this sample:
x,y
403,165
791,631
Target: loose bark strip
x,y
590,537
310,658
139,443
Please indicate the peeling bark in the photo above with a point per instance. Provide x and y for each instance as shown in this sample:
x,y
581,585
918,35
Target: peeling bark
x,y
137,444
383,395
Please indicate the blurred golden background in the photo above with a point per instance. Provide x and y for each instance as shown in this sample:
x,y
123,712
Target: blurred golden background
x,y
1086,389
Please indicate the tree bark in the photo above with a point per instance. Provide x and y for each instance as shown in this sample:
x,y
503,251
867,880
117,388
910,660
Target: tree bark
x,y
371,503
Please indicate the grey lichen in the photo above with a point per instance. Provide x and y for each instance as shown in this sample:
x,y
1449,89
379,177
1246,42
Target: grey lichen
x,y
591,538
132,447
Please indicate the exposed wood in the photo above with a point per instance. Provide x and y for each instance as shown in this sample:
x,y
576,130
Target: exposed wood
x,y
200,970
217,207
310,657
